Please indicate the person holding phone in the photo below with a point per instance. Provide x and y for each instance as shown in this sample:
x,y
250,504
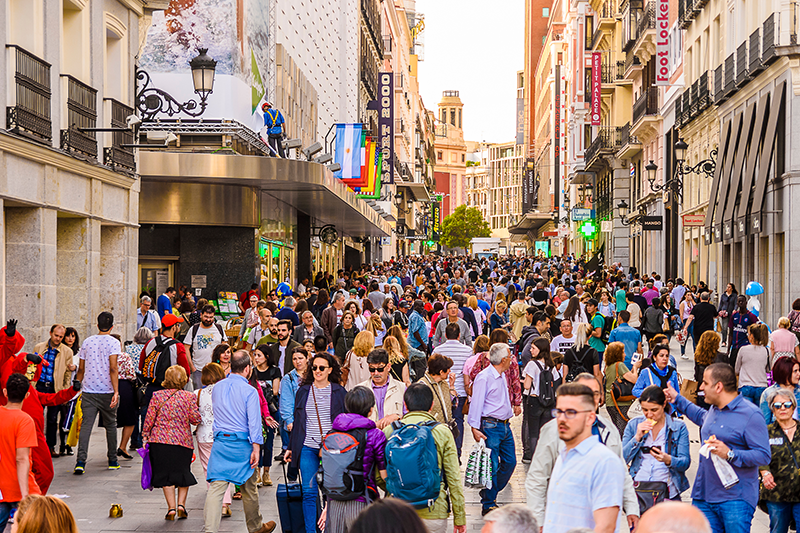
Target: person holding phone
x,y
657,448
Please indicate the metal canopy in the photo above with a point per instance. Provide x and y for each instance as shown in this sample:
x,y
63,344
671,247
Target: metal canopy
x,y
530,222
419,190
308,187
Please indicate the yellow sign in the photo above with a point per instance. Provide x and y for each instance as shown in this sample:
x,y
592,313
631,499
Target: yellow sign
x,y
419,28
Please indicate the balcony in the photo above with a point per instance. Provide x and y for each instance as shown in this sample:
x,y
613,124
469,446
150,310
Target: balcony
x,y
688,11
612,72
81,113
606,143
632,63
646,105
29,114
695,99
629,145
116,156
646,31
730,76
719,86
371,15
687,107
770,40
756,65
742,74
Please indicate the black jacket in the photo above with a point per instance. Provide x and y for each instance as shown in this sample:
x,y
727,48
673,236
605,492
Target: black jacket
x,y
298,435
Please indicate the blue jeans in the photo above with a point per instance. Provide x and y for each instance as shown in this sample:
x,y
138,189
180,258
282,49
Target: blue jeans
x,y
752,393
266,449
733,516
458,416
5,513
309,464
780,514
690,335
500,440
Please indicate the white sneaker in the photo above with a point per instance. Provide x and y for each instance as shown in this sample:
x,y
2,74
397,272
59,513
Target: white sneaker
x,y
684,356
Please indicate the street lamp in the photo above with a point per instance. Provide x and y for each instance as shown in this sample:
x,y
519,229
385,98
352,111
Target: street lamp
x,y
675,183
398,201
624,211
151,101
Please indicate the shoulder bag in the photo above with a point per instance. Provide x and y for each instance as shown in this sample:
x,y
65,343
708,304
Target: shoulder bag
x,y
622,389
449,423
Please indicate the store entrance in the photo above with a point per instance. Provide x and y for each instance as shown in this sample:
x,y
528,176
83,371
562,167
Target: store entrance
x,y
155,277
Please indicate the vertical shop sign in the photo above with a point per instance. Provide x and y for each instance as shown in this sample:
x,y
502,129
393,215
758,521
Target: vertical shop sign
x,y
436,227
386,124
557,131
597,62
662,42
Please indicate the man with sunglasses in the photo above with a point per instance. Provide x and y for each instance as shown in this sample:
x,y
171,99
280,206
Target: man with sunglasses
x,y
587,482
387,390
550,446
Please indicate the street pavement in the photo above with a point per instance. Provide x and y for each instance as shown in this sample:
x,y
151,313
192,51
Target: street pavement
x,y
90,496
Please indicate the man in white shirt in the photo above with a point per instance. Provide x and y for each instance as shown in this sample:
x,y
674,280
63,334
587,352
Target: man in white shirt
x,y
201,340
563,342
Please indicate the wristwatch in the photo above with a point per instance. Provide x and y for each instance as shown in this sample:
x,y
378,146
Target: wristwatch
x,y
730,456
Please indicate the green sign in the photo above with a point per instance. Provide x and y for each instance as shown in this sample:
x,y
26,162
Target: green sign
x,y
588,229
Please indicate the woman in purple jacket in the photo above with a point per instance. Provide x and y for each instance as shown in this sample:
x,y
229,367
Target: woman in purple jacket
x,y
359,404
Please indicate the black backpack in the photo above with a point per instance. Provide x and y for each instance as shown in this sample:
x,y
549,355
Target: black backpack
x,y
547,389
579,363
608,325
155,365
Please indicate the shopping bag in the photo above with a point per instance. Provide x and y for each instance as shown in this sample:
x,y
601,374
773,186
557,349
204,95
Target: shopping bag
x,y
478,473
147,470
681,337
689,390
75,428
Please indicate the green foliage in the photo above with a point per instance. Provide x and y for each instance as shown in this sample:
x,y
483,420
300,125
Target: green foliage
x,y
462,226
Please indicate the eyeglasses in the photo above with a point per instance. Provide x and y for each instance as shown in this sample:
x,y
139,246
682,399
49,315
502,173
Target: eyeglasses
x,y
784,405
374,369
316,368
569,414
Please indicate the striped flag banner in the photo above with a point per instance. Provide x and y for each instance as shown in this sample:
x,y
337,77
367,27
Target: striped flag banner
x,y
348,150
360,179
374,189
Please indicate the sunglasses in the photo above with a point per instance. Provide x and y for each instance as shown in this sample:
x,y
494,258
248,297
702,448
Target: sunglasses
x,y
374,369
316,368
784,405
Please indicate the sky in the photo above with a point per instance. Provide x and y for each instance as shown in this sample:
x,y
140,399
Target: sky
x,y
475,47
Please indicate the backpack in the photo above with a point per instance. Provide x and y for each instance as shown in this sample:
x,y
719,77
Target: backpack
x,y
412,464
196,328
154,365
609,323
579,365
547,389
341,475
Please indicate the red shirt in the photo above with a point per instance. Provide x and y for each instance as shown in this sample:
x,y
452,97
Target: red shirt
x,y
17,430
244,299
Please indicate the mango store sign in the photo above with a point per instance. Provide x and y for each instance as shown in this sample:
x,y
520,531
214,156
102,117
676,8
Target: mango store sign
x,y
662,42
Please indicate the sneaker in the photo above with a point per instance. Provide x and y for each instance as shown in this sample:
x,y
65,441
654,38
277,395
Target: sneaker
x,y
484,512
265,479
79,469
684,356
526,461
113,465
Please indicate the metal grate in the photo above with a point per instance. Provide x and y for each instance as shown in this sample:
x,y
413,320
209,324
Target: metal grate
x,y
30,115
742,74
646,104
755,52
719,85
770,40
730,75
81,113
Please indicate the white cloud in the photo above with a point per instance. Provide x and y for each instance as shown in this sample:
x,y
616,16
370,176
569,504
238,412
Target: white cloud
x,y
475,47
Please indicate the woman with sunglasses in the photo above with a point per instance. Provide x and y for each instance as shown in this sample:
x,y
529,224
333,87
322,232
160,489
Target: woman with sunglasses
x,y
319,400
781,478
656,446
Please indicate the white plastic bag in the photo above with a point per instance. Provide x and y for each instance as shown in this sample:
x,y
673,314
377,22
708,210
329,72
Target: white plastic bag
x,y
479,467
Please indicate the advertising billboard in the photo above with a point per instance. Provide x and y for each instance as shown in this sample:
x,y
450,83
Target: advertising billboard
x,y
236,34
662,42
386,124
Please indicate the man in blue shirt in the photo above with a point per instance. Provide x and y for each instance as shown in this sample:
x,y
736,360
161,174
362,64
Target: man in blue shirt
x,y
630,337
164,302
737,432
417,331
273,121
237,446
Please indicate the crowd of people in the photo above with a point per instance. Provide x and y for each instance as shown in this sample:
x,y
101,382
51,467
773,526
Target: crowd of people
x,y
346,371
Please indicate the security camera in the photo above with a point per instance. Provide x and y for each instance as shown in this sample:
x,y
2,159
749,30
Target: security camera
x,y
292,143
171,138
335,167
324,158
133,121
312,150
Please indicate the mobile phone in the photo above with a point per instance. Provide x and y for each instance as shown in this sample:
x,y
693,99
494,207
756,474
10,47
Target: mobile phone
x,y
635,358
646,449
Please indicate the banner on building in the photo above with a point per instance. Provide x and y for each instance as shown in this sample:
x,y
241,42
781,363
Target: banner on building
x,y
557,134
529,187
348,151
662,42
597,80
520,121
386,124
436,223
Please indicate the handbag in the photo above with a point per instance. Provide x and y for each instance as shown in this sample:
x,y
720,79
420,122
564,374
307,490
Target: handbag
x,y
346,368
622,389
649,493
147,469
451,424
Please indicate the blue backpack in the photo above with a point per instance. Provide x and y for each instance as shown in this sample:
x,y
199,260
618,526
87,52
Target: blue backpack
x,y
341,475
412,464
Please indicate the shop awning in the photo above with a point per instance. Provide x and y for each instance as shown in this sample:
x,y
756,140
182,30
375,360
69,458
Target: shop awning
x,y
308,187
530,222
419,190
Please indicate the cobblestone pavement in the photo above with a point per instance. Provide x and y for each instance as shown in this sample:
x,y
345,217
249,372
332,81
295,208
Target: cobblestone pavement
x,y
90,496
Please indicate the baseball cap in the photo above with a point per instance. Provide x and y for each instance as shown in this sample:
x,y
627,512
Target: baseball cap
x,y
403,303
353,291
170,320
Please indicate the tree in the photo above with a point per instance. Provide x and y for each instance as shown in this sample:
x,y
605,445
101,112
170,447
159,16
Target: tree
x,y
462,226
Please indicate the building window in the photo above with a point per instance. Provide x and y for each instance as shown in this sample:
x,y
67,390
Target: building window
x,y
439,155
546,12
459,119
116,57
462,158
453,117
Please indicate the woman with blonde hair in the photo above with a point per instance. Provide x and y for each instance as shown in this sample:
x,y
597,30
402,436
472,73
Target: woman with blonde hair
x,y
499,319
355,362
782,342
398,361
167,431
581,357
480,316
376,327
43,514
417,359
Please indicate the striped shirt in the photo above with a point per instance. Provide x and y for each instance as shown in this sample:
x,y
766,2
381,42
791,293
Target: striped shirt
x,y
459,353
323,407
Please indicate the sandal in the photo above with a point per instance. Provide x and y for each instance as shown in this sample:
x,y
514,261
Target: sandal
x,y
237,495
226,511
170,514
182,514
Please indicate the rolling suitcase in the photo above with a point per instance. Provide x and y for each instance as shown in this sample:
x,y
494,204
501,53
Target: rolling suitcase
x,y
290,506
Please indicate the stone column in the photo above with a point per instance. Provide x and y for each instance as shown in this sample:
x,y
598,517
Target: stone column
x,y
30,269
72,272
113,295
620,237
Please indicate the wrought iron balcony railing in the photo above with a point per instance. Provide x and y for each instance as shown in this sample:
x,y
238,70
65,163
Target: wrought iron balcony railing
x,y
115,155
30,113
81,113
